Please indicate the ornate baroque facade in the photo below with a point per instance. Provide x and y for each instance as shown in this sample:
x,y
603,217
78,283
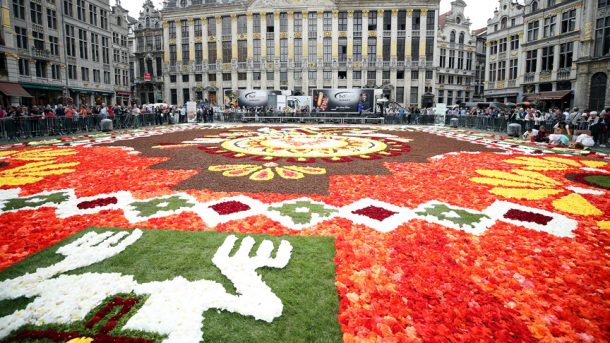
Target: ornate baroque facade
x,y
456,74
64,47
211,46
148,55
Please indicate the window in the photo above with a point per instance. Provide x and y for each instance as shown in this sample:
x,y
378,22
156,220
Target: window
x,y
602,37
68,6
312,23
105,50
603,3
283,77
502,44
298,50
270,50
371,75
342,21
270,22
548,58
52,19
501,71
104,19
24,67
256,50
54,45
93,15
227,51
531,61
372,49
242,50
283,22
566,55
430,21
372,26
357,75
198,27
469,61
270,76
400,48
328,75
460,60
173,54
38,38
82,41
328,21
172,29
568,21
55,72
402,20
532,30
451,59
312,75
461,39
211,27
550,3
184,28
96,76
242,76
492,72
212,54
212,77
387,20
283,50
452,37
493,48
357,21
443,58
414,74
242,24
84,73
312,49
534,6
95,48
21,34
70,41
198,53
504,23
298,22
256,23
549,26
414,95
416,21
514,42
343,49
328,49
36,13
19,9
386,48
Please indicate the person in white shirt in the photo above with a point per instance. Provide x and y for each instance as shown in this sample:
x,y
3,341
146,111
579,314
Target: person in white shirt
x,y
585,140
529,133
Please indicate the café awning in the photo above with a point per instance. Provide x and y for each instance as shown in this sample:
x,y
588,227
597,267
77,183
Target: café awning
x,y
557,95
13,89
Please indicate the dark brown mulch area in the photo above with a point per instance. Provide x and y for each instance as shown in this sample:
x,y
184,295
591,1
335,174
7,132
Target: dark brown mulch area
x,y
423,146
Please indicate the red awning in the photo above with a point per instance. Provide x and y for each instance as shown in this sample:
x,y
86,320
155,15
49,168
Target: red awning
x,y
13,89
123,93
558,95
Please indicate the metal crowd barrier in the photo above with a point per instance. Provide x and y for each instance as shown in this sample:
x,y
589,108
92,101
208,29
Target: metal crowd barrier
x,y
36,126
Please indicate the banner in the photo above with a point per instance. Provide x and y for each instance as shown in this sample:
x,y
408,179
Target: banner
x,y
343,100
248,98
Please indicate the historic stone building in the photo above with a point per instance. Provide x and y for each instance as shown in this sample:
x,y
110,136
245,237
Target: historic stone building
x,y
211,46
480,64
552,46
504,72
593,68
53,49
148,55
457,48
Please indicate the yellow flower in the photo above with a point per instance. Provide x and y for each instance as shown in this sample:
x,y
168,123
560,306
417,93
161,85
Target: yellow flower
x,y
34,172
81,340
44,154
529,185
553,163
266,172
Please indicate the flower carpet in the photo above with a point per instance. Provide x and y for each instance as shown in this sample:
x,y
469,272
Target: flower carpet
x,y
236,233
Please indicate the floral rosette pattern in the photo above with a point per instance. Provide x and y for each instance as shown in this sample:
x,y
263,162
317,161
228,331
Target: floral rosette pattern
x,y
461,247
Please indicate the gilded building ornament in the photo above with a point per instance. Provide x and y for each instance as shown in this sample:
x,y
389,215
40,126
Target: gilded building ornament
x,y
335,13
394,12
350,13
410,12
298,34
256,35
424,12
211,38
372,33
365,13
342,34
283,34
328,34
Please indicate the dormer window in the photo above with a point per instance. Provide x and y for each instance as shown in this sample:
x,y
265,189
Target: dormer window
x,y
183,3
534,6
461,41
550,3
504,23
452,37
458,20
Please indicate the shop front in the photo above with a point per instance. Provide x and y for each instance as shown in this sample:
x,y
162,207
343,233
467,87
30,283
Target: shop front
x,y
12,94
44,95
122,98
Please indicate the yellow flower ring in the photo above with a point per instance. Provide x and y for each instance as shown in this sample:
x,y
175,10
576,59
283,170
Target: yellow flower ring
x,y
308,148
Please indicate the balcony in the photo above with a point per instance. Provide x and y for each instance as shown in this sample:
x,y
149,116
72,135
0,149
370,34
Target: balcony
x,y
511,83
242,65
529,77
564,74
40,53
491,85
415,33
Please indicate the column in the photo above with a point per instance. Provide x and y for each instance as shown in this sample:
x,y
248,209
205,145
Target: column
x,y
350,47
394,49
335,47
250,36
320,49
204,42
291,49
422,33
305,43
276,49
408,39
179,42
379,79
234,51
365,47
219,54
263,50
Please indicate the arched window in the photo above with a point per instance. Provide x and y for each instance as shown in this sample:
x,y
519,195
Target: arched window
x,y
461,41
534,6
599,87
504,23
550,3
147,22
452,37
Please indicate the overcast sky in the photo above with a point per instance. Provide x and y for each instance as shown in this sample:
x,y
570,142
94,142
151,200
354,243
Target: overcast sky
x,y
478,10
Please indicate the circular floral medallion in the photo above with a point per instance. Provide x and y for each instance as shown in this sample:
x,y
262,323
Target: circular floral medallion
x,y
297,146
593,180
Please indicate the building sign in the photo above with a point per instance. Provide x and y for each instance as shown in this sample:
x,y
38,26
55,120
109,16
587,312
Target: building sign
x,y
248,98
343,100
147,76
